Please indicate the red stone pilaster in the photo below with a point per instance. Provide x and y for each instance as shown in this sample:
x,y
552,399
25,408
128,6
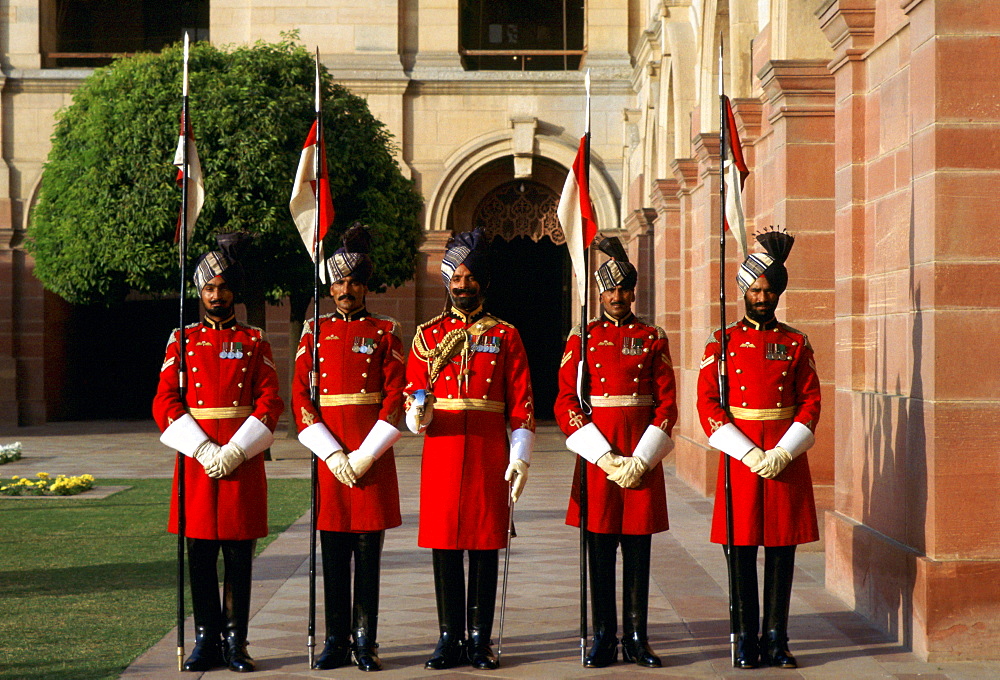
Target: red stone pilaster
x,y
666,203
795,170
639,234
912,543
698,188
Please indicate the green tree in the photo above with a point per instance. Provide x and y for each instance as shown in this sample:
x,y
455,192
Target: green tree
x,y
108,205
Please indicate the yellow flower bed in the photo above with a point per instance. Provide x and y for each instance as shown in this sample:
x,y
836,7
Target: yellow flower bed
x,y
46,486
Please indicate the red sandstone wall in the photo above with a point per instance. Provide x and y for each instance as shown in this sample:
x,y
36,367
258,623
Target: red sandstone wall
x,y
912,543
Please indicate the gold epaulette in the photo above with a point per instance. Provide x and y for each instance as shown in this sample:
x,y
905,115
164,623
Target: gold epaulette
x,y
395,324
789,329
712,338
576,328
660,333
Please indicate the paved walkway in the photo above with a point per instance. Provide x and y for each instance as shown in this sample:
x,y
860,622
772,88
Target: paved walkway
x,y
688,625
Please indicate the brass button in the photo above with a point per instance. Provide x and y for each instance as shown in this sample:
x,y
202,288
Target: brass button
x,y
597,365
239,384
200,402
194,369
197,384
236,403
739,370
744,403
363,390
364,375
779,403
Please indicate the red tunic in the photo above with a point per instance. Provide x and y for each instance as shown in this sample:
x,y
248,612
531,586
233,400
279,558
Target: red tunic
x,y
361,382
221,394
632,387
463,494
772,383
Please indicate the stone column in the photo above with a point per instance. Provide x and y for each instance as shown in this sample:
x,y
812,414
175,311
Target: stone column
x,y
639,230
912,541
698,303
794,168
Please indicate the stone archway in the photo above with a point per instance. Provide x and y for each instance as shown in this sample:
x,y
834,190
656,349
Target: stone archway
x,y
531,278
521,208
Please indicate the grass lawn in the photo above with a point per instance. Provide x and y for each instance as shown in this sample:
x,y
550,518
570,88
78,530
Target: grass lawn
x,y
88,585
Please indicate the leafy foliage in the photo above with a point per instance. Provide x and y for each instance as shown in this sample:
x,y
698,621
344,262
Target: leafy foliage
x,y
108,206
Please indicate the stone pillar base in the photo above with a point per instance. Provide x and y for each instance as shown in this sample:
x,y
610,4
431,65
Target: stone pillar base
x,y
944,610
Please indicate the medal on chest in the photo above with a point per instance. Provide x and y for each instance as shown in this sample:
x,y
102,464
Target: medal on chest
x,y
231,350
777,352
632,346
489,345
364,345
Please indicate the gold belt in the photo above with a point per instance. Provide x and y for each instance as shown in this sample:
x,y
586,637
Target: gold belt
x,y
783,413
360,399
220,413
470,405
619,400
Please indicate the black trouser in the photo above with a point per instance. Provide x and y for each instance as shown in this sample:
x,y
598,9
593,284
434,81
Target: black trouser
x,y
779,565
232,613
602,552
338,548
449,589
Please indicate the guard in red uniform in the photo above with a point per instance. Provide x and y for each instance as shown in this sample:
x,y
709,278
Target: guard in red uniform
x,y
774,398
467,381
225,420
360,399
623,440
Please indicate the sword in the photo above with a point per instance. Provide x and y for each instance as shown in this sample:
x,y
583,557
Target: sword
x,y
506,567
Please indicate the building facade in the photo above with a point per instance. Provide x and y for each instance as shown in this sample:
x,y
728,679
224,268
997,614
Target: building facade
x,y
867,126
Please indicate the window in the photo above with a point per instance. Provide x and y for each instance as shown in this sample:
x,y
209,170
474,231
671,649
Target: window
x,y
521,35
86,33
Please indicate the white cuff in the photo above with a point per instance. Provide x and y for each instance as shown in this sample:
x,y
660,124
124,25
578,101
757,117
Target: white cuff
x,y
731,441
653,446
522,442
379,439
184,435
318,439
797,439
588,443
252,437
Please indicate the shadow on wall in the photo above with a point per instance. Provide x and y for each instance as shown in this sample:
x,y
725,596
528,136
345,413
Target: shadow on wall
x,y
894,484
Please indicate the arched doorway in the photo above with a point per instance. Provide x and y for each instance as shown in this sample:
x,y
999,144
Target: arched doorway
x,y
531,276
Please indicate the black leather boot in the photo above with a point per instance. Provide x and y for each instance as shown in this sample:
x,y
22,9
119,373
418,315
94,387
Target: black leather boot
x,y
635,601
238,559
204,576
449,590
367,567
602,550
779,566
336,599
746,608
483,568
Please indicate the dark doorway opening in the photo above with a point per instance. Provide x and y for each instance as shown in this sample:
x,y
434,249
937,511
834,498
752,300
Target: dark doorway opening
x,y
109,359
530,289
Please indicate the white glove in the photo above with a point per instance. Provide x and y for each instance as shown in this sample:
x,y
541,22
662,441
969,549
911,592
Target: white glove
x,y
775,460
340,466
228,459
517,475
629,473
206,452
609,462
360,463
754,457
